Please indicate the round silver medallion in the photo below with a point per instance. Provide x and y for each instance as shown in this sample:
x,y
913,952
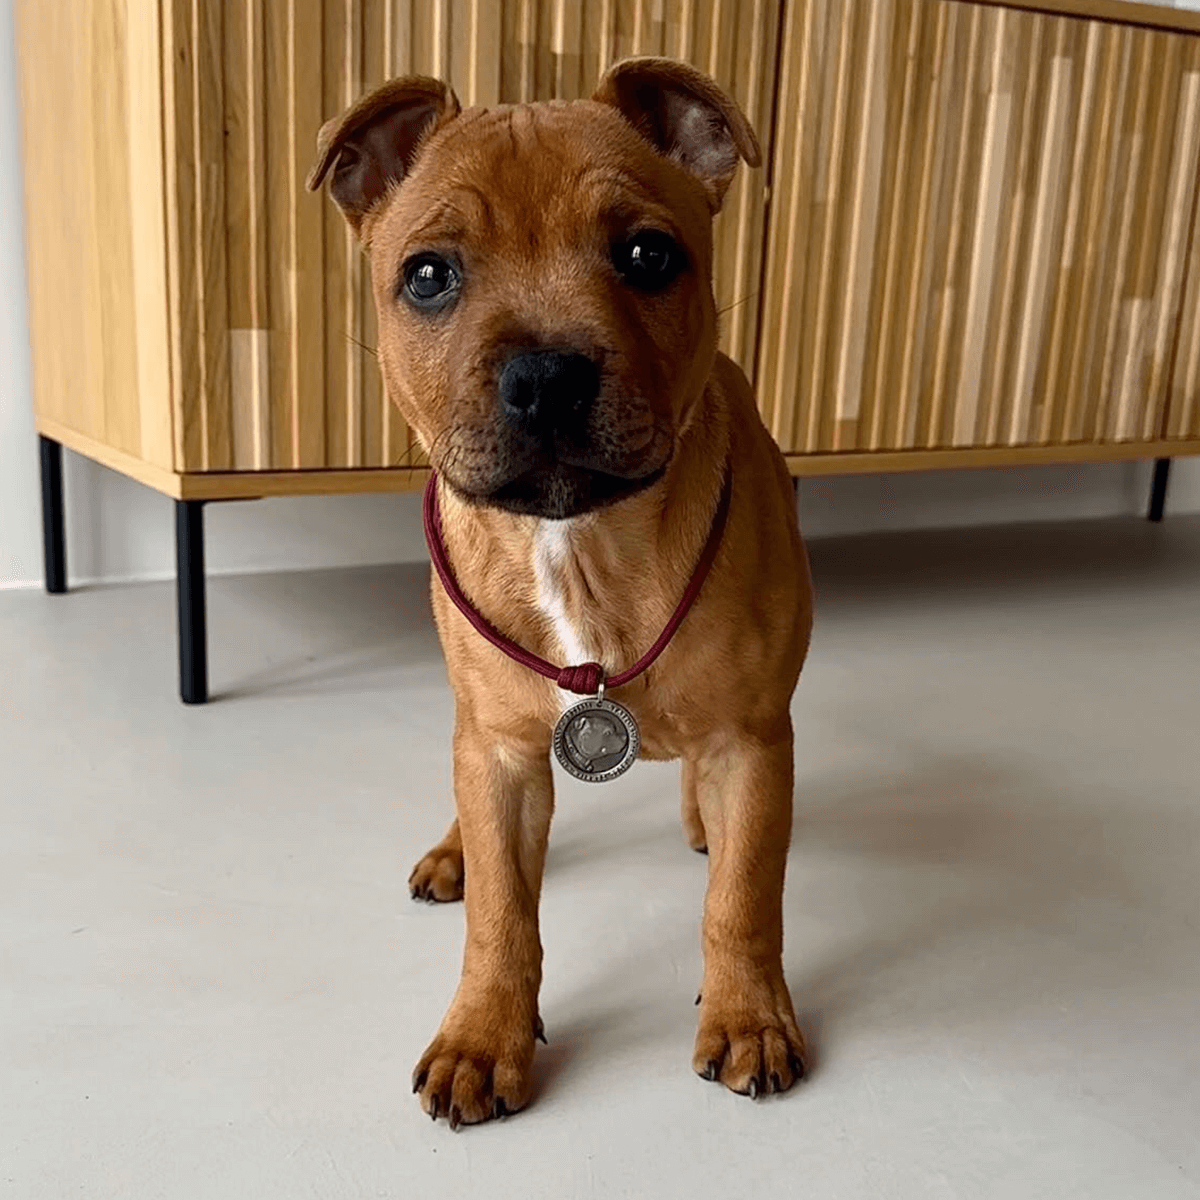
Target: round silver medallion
x,y
596,740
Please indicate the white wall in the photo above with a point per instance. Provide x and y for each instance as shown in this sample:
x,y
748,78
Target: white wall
x,y
119,530
20,556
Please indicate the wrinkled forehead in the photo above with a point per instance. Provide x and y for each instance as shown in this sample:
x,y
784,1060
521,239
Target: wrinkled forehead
x,y
529,176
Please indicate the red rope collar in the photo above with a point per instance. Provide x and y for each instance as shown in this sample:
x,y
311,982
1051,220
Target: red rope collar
x,y
585,679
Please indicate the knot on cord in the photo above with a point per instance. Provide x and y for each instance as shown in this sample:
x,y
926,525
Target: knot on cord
x,y
583,681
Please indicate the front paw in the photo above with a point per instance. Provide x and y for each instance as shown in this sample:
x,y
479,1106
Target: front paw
x,y
748,1038
478,1067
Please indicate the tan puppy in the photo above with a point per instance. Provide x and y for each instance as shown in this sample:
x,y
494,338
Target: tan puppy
x,y
547,326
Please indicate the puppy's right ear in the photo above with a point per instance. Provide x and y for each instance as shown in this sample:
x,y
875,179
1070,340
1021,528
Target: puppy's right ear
x,y
374,144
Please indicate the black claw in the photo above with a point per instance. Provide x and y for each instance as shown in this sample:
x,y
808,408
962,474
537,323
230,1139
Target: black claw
x,y
776,1082
711,1071
433,1109
797,1065
455,1117
699,997
701,849
500,1109
539,1032
414,893
419,1082
752,1090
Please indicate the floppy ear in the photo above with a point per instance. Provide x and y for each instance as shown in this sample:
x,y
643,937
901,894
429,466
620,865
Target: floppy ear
x,y
374,144
685,116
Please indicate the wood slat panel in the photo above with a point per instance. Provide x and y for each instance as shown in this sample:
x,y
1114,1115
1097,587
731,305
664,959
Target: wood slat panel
x,y
95,226
274,308
979,228
193,57
245,232
1183,385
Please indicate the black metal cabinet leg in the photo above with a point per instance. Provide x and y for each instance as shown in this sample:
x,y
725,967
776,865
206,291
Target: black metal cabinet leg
x,y
1158,490
189,583
53,532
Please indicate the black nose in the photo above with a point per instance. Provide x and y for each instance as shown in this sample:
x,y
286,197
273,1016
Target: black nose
x,y
546,389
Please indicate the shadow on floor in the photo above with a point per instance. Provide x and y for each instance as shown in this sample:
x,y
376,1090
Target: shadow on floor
x,y
950,567
381,621
339,631
1039,897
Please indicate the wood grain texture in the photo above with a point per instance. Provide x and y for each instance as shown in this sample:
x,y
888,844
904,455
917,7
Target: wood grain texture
x,y
979,230
95,225
275,318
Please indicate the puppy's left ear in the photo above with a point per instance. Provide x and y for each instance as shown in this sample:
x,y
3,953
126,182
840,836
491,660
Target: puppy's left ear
x,y
684,115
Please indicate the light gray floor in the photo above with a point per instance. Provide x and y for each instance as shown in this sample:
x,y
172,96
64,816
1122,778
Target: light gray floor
x,y
213,983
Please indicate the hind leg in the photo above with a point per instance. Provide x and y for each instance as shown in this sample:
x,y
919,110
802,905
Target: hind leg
x,y
693,823
438,877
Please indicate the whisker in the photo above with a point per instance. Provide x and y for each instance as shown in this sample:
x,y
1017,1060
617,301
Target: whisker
x,y
407,460
736,304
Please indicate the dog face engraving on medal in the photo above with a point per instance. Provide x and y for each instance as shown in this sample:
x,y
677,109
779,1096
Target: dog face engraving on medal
x,y
596,740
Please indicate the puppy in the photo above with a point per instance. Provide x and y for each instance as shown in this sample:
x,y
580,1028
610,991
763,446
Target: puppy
x,y
543,280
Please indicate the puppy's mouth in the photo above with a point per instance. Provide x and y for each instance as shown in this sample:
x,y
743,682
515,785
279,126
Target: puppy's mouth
x,y
561,491
553,476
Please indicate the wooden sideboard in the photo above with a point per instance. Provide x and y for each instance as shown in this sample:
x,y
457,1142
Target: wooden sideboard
x,y
973,241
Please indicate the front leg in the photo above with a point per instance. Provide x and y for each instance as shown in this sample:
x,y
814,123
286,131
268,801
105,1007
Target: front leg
x,y
478,1066
748,1037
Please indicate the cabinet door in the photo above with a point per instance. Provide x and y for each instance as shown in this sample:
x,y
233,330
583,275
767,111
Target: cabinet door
x,y
977,228
273,308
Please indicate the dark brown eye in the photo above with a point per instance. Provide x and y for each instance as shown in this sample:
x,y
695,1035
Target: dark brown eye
x,y
649,260
429,280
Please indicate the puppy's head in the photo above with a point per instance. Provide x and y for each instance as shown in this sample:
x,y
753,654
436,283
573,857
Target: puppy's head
x,y
543,274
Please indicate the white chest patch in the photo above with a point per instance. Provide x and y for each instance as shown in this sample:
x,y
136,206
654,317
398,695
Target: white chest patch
x,y
551,545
